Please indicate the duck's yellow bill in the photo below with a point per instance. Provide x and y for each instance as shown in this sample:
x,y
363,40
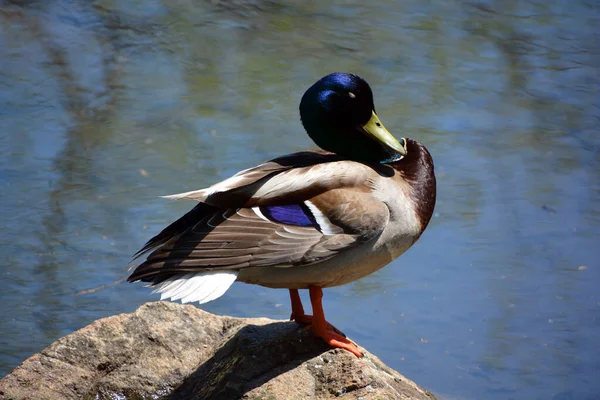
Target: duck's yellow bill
x,y
375,128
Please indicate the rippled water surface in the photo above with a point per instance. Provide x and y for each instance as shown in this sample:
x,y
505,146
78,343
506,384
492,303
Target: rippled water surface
x,y
105,105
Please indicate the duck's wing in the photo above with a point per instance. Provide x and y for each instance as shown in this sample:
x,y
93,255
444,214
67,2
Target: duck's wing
x,y
289,217
233,192
278,236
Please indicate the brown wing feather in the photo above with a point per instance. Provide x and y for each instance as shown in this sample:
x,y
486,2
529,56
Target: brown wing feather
x,y
237,239
356,211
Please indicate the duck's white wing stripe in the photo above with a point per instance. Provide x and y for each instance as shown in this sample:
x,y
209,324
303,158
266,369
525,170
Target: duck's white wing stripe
x,y
201,287
324,224
260,214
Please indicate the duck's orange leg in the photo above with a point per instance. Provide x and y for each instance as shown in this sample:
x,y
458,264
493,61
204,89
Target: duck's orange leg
x,y
297,309
321,327
300,317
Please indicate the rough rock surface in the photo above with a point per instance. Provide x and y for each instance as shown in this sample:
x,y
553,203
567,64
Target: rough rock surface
x,y
172,351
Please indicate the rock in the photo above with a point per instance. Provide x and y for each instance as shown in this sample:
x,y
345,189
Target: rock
x,y
172,351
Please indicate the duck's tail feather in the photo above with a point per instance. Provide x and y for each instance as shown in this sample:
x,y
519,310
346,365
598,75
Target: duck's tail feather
x,y
200,286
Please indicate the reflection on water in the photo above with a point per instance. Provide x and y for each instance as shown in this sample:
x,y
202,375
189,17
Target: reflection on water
x,y
105,105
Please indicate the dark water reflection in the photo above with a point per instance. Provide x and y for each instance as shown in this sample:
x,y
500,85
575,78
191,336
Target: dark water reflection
x,y
105,105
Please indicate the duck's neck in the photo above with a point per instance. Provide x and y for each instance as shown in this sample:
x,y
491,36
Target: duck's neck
x,y
416,168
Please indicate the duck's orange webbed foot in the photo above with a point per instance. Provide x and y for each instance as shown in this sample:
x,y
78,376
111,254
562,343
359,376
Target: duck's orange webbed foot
x,y
335,340
308,321
317,322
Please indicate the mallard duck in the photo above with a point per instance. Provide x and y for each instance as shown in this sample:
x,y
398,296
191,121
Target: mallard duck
x,y
308,220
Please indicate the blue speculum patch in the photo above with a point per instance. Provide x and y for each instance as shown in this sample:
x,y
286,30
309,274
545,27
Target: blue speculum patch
x,y
293,214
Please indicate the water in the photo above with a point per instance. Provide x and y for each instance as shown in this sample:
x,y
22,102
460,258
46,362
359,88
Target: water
x,y
106,105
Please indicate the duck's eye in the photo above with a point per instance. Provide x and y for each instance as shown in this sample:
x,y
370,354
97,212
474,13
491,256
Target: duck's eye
x,y
352,95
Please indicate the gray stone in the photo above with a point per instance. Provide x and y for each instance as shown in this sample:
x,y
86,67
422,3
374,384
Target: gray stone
x,y
172,351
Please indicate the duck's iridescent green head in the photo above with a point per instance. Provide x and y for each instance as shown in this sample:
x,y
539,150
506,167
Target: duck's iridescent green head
x,y
339,115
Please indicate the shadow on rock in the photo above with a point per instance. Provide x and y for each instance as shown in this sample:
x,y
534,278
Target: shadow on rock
x,y
253,356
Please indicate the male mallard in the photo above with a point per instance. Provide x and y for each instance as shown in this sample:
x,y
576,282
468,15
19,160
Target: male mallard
x,y
307,220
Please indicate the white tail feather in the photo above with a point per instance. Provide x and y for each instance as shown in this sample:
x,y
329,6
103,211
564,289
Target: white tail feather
x,y
201,287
